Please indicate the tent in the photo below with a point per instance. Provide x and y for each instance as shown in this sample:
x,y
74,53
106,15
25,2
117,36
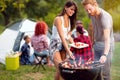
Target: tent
x,y
12,37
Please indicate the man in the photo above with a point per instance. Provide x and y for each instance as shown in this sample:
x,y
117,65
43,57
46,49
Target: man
x,y
103,35
79,23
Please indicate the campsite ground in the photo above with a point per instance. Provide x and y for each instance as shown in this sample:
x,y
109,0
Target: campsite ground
x,y
27,73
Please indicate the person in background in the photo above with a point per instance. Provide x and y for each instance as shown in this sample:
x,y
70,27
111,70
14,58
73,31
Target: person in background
x,y
25,51
103,35
40,41
85,53
62,27
79,23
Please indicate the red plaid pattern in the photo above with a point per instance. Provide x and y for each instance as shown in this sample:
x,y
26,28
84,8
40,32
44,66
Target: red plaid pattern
x,y
84,53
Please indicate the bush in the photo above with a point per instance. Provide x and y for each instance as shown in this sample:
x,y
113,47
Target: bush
x,y
1,19
116,18
49,19
86,22
2,28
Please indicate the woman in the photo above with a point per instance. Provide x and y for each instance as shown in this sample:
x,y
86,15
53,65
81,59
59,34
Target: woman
x,y
40,41
62,27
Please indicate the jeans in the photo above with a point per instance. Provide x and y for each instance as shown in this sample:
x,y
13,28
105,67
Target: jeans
x,y
105,70
43,53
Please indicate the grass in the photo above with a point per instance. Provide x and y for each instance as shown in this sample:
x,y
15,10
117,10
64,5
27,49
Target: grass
x,y
27,73
116,63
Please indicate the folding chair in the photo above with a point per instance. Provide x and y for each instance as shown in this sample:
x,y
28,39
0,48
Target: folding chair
x,y
40,62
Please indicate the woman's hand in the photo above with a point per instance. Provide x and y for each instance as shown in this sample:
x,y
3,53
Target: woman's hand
x,y
71,55
103,59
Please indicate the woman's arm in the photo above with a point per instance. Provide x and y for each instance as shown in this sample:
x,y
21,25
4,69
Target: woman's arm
x,y
70,38
58,24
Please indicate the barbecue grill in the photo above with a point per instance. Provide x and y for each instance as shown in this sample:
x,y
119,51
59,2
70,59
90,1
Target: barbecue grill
x,y
80,74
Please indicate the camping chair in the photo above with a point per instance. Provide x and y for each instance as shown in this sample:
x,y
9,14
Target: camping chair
x,y
40,62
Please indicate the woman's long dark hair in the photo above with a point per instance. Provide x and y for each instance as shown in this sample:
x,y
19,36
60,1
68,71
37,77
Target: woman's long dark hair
x,y
74,16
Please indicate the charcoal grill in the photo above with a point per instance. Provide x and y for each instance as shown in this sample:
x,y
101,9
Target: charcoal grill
x,y
79,74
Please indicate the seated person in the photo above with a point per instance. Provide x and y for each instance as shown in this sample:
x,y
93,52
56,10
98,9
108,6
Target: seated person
x,y
25,51
85,53
40,41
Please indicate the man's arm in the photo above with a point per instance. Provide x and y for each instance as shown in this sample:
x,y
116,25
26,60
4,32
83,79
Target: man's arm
x,y
103,58
21,50
107,41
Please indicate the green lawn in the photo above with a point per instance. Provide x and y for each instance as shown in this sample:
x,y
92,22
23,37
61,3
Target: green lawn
x,y
116,63
27,73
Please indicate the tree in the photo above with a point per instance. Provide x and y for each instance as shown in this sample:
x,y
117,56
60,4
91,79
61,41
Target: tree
x,y
36,9
110,4
113,7
11,9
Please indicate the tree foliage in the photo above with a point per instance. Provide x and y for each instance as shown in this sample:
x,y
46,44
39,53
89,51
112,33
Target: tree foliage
x,y
113,7
116,18
110,4
11,9
36,9
47,10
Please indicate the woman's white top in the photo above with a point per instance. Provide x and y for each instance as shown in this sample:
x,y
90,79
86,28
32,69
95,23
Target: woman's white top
x,y
55,34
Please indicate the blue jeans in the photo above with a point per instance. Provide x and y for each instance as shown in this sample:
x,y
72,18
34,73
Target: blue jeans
x,y
105,70
24,59
43,53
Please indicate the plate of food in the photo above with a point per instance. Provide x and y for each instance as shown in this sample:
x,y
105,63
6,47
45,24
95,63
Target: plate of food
x,y
79,45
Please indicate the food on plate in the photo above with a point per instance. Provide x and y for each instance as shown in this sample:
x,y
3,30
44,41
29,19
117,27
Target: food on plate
x,y
79,45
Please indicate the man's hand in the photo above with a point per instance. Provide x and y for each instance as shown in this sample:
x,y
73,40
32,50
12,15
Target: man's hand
x,y
103,59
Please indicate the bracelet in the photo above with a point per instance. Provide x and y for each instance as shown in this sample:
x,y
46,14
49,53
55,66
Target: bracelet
x,y
105,55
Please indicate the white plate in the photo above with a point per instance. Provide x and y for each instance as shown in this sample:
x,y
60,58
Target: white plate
x,y
82,45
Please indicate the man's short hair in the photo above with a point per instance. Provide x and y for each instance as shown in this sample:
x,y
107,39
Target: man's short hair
x,y
85,2
25,37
